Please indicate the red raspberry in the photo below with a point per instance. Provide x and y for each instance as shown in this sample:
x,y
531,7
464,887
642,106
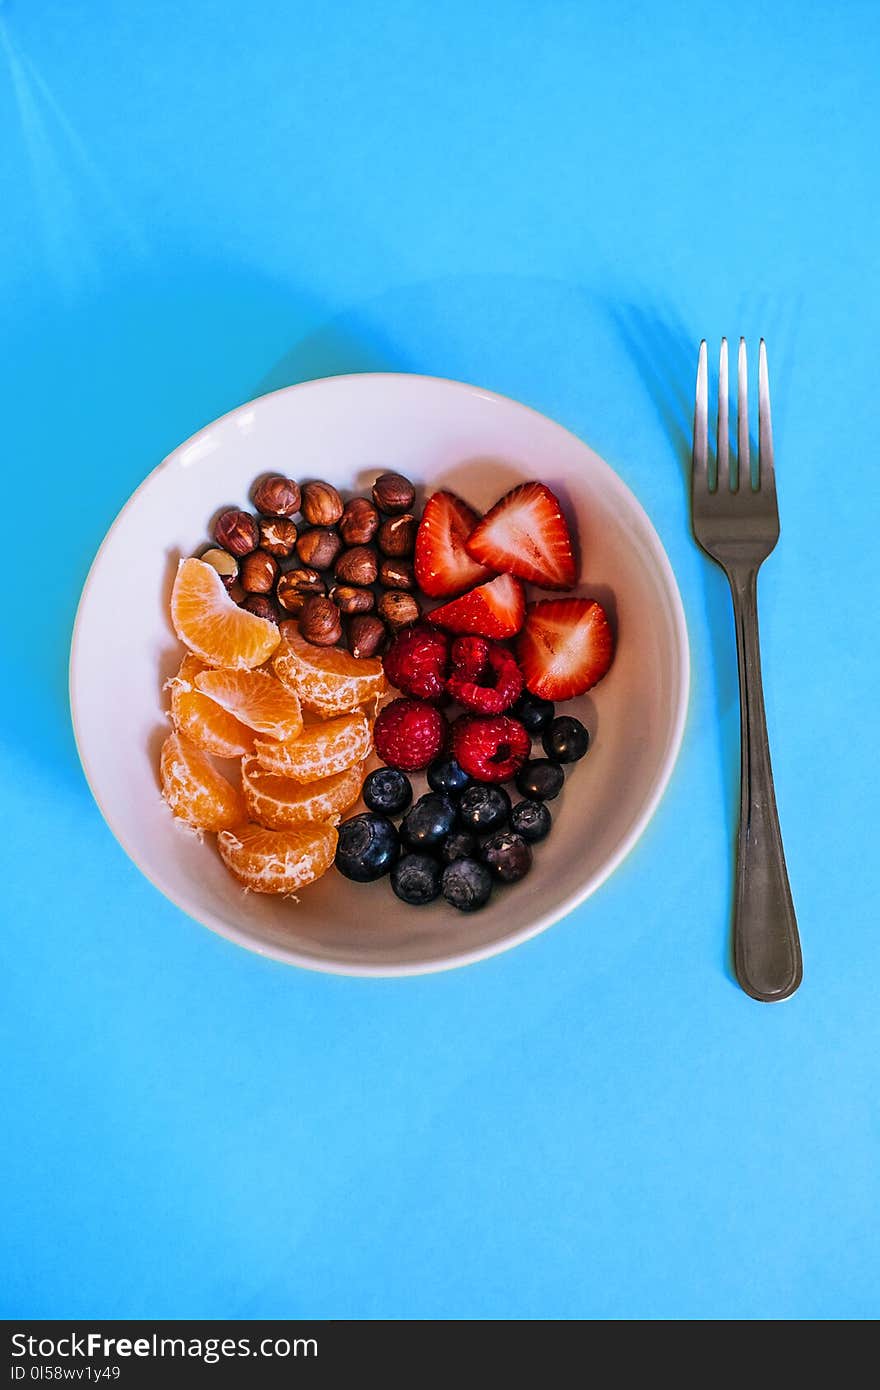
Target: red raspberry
x,y
490,750
409,734
466,684
417,661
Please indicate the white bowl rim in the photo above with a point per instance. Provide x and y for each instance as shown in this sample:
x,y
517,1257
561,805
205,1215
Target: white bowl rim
x,y
560,909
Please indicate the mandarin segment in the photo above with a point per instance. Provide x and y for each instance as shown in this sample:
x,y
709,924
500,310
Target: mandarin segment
x,y
195,790
212,625
277,861
257,699
320,750
327,680
280,802
202,721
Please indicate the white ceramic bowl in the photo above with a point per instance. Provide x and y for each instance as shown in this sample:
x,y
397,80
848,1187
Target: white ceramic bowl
x,y
347,429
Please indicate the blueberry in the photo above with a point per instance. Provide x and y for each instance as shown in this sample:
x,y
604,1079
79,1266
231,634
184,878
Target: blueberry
x,y
461,844
566,740
483,807
507,855
531,819
532,711
467,884
445,775
388,791
367,848
540,780
415,879
428,822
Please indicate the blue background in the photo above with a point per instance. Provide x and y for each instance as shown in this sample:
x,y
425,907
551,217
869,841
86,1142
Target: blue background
x,y
555,200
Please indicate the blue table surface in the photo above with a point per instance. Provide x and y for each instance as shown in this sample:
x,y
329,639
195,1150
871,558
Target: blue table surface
x,y
557,201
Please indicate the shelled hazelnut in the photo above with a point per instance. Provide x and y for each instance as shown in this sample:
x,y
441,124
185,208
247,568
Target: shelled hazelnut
x,y
321,504
359,521
277,535
393,493
318,547
320,621
359,565
259,571
350,598
398,609
276,495
397,535
263,606
294,587
366,635
225,564
397,574
236,531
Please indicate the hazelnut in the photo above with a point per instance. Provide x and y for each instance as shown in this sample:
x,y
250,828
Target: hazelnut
x,y
259,571
225,564
397,535
321,504
360,565
277,496
359,521
398,609
294,587
278,535
319,621
263,606
351,599
393,493
318,547
366,635
397,574
236,531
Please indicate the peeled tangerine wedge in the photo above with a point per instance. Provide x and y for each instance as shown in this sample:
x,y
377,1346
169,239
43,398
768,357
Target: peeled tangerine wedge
x,y
277,861
320,750
202,721
195,790
279,802
257,699
327,680
213,626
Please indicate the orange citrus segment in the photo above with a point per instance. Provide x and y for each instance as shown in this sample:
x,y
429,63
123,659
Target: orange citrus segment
x,y
195,790
280,802
327,680
212,625
257,699
202,721
320,750
277,861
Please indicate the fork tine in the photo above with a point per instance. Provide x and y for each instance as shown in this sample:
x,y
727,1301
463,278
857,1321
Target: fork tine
x,y
766,475
723,432
700,476
744,467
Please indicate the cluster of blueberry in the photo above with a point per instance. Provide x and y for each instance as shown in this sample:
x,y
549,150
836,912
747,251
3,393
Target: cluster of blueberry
x,y
463,835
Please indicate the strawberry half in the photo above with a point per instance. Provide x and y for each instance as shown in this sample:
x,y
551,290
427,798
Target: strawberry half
x,y
526,534
565,647
495,609
442,564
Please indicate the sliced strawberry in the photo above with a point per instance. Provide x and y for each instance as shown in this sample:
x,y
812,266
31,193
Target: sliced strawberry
x,y
565,647
442,564
495,609
526,534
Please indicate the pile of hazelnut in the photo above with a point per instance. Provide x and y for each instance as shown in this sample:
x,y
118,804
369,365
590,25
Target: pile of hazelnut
x,y
343,559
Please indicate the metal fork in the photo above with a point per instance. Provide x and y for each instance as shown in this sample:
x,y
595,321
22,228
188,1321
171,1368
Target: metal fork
x,y
738,525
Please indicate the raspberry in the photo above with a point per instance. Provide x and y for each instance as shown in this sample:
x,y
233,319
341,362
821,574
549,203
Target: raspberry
x,y
470,671
409,734
417,661
490,750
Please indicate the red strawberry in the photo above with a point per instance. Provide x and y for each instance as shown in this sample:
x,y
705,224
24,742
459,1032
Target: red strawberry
x,y
490,750
409,734
565,647
495,609
526,534
442,564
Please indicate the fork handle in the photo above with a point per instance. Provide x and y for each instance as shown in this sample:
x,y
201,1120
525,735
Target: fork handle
x,y
767,950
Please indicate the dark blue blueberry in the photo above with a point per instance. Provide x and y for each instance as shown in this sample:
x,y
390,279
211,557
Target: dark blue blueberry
x,y
445,775
507,855
532,820
566,740
483,807
415,879
540,780
428,822
461,844
388,791
532,711
367,848
467,884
